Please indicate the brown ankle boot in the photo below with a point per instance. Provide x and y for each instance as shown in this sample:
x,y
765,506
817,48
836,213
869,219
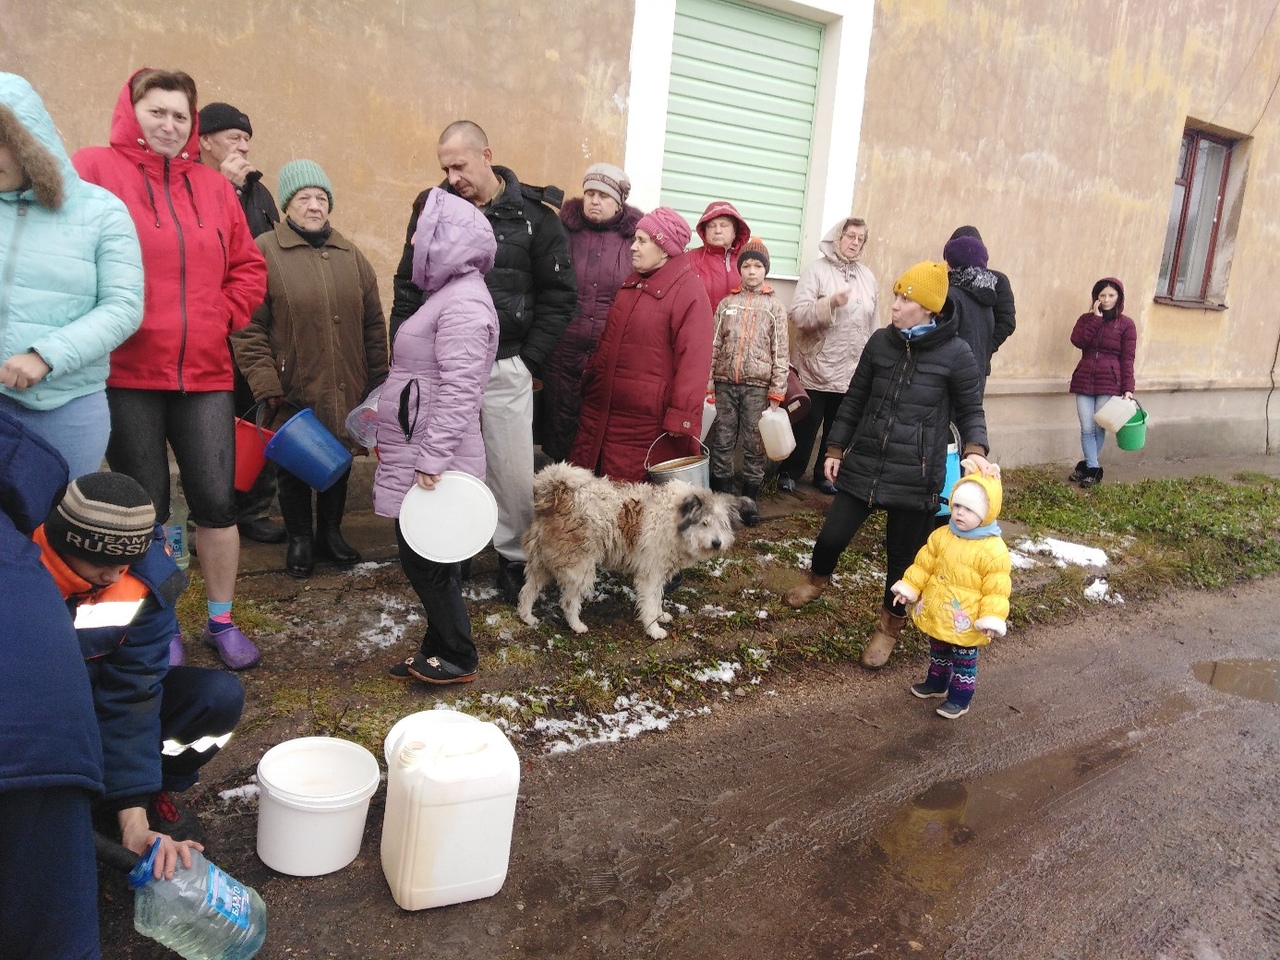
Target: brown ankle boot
x,y
809,590
883,640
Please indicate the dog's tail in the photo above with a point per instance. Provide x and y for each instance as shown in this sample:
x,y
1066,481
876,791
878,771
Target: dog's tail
x,y
556,485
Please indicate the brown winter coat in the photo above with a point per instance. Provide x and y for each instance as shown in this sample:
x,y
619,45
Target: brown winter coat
x,y
751,341
319,339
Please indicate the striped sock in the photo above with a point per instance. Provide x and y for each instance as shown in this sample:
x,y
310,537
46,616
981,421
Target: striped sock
x,y
219,616
939,665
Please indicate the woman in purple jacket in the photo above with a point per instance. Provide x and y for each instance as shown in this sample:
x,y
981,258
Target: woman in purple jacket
x,y
429,413
1107,340
601,225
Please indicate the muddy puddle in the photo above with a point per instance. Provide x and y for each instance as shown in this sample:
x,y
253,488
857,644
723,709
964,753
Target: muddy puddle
x,y
1251,679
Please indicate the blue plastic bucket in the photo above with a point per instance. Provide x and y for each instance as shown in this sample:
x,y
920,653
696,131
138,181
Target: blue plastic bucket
x,y
310,452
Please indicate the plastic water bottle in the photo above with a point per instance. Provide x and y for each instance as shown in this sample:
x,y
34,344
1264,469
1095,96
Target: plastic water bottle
x,y
176,534
201,914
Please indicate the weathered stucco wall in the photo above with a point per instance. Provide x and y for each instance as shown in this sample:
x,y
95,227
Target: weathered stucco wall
x,y
1054,127
364,88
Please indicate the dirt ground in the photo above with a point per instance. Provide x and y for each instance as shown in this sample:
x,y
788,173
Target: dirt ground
x,y
1112,793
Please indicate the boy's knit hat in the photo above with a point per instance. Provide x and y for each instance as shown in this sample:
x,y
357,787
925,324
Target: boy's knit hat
x,y
299,174
667,228
216,117
967,493
754,249
608,179
925,284
104,518
961,252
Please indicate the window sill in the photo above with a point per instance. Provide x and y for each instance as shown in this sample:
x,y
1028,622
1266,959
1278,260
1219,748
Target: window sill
x,y
1190,304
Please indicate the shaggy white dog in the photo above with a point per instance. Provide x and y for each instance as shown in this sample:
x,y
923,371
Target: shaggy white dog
x,y
582,522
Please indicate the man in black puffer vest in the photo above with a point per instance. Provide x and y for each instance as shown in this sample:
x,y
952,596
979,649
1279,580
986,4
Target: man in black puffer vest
x,y
535,293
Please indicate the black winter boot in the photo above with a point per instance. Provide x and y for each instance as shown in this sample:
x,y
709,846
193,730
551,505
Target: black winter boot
x,y
722,484
301,559
331,545
1078,473
1092,477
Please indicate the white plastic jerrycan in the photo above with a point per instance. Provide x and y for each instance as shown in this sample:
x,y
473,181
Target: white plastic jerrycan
x,y
775,430
708,415
451,804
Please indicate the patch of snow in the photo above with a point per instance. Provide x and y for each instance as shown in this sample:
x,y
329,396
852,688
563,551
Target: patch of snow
x,y
1101,590
393,619
248,792
479,593
1064,552
368,566
722,672
715,610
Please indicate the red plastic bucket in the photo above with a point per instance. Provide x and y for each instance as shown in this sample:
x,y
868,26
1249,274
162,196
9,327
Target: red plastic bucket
x,y
251,445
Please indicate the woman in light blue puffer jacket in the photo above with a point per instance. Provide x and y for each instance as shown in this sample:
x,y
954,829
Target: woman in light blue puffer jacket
x,y
70,284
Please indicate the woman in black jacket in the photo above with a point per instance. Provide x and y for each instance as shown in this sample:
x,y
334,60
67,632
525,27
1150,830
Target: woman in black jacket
x,y
887,449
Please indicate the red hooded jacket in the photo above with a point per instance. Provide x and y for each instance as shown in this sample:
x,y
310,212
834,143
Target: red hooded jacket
x,y
716,267
204,276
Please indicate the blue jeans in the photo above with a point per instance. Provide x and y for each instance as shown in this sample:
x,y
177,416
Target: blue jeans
x,y
78,429
1092,436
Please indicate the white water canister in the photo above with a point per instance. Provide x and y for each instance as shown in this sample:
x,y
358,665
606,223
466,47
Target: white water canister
x,y
1115,413
708,415
775,429
451,805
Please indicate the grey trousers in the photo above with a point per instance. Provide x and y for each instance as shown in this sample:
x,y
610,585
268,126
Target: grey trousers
x,y
738,410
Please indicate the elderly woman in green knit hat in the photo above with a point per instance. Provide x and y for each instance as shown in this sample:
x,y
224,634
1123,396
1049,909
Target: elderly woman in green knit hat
x,y
887,449
318,341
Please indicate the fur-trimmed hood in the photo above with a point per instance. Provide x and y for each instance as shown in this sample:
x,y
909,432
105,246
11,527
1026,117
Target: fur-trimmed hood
x,y
28,131
623,222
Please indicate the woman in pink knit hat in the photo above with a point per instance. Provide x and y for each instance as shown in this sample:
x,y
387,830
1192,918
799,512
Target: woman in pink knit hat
x,y
648,377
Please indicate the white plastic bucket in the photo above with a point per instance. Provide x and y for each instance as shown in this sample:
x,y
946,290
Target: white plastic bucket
x,y
313,799
451,805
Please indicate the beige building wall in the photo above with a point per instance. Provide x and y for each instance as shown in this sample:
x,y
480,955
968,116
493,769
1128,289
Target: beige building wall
x,y
363,87
1054,127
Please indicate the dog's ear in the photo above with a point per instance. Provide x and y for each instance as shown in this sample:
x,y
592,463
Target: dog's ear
x,y
692,509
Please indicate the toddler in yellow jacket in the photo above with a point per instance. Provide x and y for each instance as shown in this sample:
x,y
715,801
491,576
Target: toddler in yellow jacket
x,y
958,589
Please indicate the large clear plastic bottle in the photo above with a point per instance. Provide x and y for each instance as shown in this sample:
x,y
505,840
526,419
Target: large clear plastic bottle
x,y
203,913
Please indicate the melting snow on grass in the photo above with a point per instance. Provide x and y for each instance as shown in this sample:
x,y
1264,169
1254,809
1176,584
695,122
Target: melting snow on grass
x,y
1101,590
1062,552
393,619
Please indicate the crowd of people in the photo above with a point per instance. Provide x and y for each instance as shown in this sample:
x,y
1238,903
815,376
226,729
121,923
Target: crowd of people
x,y
154,290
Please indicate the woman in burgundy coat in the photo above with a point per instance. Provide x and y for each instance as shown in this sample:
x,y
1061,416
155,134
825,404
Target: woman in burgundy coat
x,y
601,227
648,377
1107,340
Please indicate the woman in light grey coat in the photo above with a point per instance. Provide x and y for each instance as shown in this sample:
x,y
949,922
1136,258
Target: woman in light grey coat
x,y
833,313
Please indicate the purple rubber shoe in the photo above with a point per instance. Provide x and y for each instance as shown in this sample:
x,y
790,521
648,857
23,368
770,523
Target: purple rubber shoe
x,y
177,656
236,650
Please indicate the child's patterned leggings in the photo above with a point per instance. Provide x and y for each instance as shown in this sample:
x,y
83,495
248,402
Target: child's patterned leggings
x,y
953,668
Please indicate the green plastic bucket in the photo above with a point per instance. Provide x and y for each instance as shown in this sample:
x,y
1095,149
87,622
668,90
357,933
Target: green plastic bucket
x,y
1133,434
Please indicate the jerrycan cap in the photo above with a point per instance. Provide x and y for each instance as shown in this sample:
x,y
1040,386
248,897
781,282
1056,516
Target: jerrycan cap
x,y
141,874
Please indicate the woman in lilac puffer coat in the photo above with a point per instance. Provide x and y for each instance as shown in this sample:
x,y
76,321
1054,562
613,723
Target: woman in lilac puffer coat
x,y
429,413
1107,340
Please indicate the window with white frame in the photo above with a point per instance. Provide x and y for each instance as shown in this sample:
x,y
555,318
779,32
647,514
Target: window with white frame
x,y
1200,237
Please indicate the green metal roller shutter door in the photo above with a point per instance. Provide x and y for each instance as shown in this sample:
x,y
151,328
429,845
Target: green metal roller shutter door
x,y
744,84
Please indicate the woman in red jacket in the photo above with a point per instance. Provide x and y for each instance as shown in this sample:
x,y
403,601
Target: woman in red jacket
x,y
645,385
1107,341
170,383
